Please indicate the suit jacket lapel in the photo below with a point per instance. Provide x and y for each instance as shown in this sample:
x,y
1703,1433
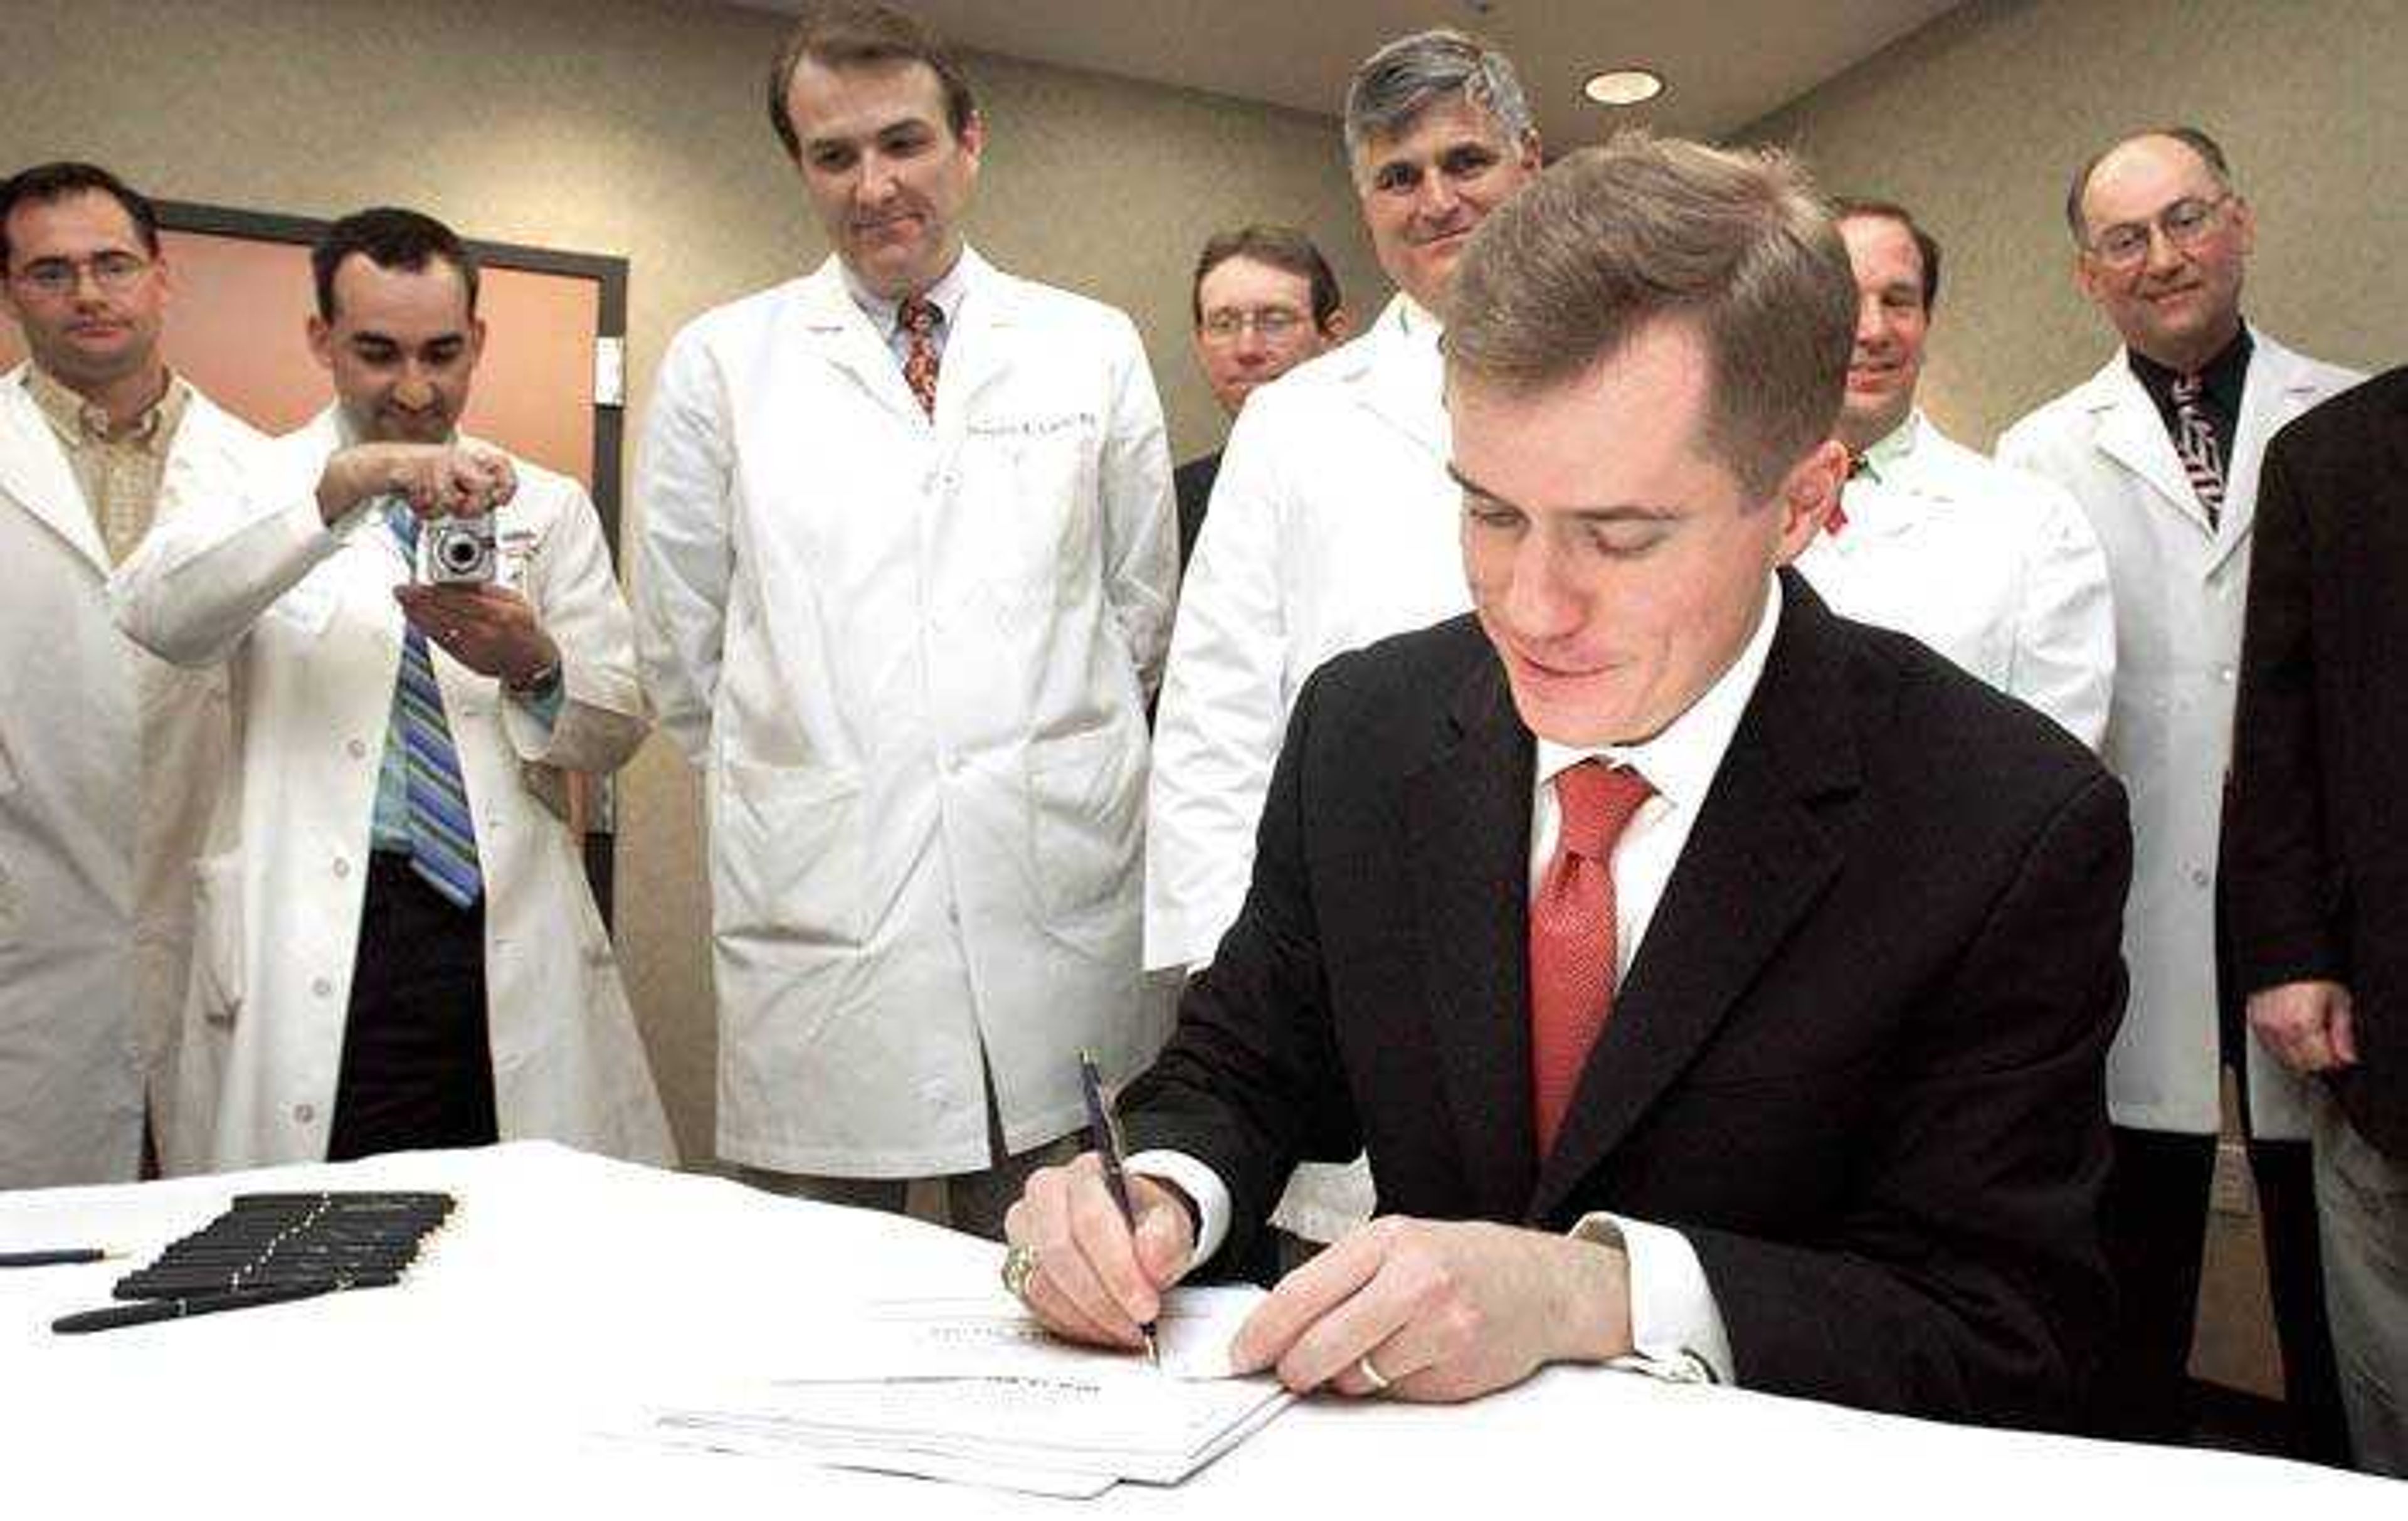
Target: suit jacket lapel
x,y
1755,863
1467,834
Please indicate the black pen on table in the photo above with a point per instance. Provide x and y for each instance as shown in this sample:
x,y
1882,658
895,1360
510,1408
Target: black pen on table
x,y
1104,1138
149,1311
54,1256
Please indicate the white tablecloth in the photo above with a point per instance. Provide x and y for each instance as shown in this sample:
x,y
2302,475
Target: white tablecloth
x,y
569,1294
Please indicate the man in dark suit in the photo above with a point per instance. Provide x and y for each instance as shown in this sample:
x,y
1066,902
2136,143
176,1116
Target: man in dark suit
x,y
1718,986
2316,858
1264,302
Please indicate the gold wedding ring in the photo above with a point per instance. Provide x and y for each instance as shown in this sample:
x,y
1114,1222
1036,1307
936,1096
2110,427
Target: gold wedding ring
x,y
1019,1266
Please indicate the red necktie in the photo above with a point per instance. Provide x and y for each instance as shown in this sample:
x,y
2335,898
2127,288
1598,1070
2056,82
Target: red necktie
x,y
1572,935
917,316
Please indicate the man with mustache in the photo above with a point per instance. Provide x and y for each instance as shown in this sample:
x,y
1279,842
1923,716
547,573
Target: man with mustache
x,y
905,582
1997,570
108,758
2161,448
1332,522
397,945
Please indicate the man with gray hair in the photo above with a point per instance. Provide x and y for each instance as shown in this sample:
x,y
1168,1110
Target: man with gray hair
x,y
1332,522
1719,987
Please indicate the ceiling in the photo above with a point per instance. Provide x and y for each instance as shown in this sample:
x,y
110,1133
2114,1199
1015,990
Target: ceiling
x,y
1725,61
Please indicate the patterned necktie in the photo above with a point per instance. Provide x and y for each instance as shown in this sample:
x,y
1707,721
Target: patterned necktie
x,y
2202,457
917,316
1573,946
442,835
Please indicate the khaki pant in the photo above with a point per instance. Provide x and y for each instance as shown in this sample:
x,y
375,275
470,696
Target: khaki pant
x,y
2362,1213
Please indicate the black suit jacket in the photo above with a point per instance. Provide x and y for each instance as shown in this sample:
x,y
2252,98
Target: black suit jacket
x,y
2315,856
1858,1059
1191,482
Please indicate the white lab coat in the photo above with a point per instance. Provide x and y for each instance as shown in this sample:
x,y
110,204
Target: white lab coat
x,y
1333,524
108,762
304,621
2179,589
1995,568
910,659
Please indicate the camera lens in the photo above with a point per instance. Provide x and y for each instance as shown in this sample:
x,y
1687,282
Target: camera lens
x,y
460,552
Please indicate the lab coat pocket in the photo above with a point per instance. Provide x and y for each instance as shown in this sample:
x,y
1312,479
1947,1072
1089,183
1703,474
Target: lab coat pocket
x,y
1086,792
218,971
788,863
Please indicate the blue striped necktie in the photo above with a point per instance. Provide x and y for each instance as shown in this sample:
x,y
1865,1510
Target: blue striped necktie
x,y
443,837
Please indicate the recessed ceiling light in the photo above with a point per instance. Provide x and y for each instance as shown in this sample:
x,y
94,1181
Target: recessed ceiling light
x,y
1624,86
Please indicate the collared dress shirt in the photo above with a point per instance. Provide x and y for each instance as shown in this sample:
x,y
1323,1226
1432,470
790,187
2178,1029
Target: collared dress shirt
x,y
1675,1324
119,469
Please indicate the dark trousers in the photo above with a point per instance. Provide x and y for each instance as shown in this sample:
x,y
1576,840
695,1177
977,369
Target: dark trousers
x,y
418,1068
2153,1219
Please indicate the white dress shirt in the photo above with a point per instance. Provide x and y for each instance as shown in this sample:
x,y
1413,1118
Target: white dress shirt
x,y
1674,1322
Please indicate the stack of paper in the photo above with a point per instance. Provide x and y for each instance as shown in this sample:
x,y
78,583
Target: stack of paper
x,y
975,1391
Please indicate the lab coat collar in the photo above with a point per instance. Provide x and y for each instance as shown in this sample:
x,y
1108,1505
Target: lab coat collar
x,y
832,323
34,469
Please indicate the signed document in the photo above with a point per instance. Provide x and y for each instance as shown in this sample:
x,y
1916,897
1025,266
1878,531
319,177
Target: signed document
x,y
973,1390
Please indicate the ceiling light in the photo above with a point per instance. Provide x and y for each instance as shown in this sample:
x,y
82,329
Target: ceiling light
x,y
1624,86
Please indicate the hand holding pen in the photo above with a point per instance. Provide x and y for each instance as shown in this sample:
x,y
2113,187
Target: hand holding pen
x,y
1090,1265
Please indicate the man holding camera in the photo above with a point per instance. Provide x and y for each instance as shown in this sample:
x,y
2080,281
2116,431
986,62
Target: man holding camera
x,y
396,943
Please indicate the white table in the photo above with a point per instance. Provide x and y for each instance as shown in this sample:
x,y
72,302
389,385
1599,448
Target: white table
x,y
568,1294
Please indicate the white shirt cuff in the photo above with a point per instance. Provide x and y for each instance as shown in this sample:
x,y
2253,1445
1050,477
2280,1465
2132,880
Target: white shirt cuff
x,y
1676,1327
1201,1185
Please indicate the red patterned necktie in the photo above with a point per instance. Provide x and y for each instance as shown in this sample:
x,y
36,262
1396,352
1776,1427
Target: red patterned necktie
x,y
1572,947
917,316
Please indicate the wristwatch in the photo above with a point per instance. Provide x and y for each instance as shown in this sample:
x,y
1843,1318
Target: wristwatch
x,y
542,684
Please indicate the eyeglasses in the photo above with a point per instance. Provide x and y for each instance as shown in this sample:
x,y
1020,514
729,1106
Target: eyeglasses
x,y
1272,322
2186,223
115,272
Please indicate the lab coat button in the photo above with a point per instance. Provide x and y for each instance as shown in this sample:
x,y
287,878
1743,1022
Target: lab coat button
x,y
357,749
342,867
322,987
2199,876
303,1113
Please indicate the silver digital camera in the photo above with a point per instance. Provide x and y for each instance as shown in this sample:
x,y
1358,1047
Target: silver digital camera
x,y
458,551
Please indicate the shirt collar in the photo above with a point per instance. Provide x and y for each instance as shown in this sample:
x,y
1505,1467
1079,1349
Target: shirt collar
x,y
2223,375
945,295
87,422
1892,448
1681,762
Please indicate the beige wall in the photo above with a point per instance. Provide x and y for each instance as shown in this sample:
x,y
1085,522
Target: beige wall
x,y
635,128
1978,120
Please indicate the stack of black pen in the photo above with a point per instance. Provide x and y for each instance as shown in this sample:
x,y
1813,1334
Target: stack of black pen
x,y
269,1248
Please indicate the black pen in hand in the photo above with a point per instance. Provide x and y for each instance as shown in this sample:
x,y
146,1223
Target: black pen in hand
x,y
1104,1138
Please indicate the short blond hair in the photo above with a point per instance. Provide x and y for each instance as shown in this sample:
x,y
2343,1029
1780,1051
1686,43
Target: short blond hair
x,y
1610,239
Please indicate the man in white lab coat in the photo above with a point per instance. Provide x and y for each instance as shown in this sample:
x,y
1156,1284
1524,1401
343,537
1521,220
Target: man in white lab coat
x,y
108,758
2161,447
1995,568
906,582
396,946
1333,522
